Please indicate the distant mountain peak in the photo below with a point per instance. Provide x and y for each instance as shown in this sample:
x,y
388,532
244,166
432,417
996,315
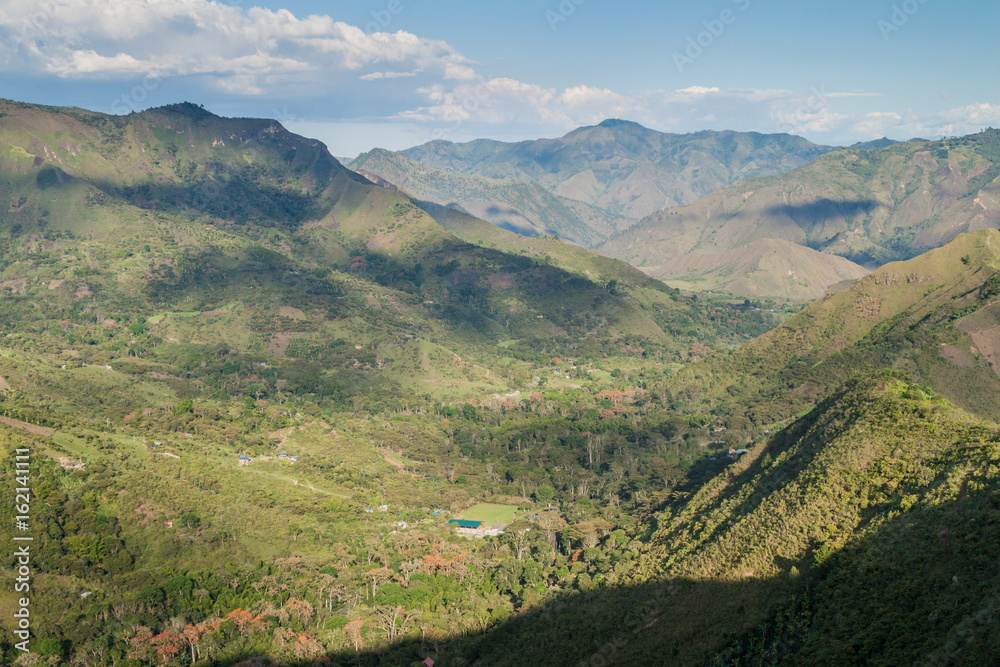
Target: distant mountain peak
x,y
884,142
187,109
619,122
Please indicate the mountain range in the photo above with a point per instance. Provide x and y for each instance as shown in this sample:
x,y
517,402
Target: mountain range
x,y
176,210
523,207
266,398
866,206
600,178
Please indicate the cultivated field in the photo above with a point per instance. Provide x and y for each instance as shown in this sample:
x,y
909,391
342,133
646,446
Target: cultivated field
x,y
489,513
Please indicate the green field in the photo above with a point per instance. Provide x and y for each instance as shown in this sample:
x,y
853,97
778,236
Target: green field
x,y
489,513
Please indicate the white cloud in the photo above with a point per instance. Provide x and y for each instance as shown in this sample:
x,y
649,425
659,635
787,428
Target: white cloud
x,y
976,114
256,50
366,76
876,124
586,95
950,122
697,91
820,115
454,70
374,76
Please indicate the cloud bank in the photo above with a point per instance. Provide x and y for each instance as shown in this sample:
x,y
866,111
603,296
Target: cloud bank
x,y
337,73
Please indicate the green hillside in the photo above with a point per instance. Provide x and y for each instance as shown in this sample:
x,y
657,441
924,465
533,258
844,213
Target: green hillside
x,y
863,532
622,167
172,232
868,206
933,317
254,388
179,290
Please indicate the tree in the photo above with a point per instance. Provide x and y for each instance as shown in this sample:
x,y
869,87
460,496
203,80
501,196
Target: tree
x,y
378,576
50,647
394,620
353,631
544,494
246,622
518,535
179,586
294,530
139,643
151,595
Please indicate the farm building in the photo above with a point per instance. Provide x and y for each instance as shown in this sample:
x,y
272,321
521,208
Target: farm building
x,y
467,528
244,460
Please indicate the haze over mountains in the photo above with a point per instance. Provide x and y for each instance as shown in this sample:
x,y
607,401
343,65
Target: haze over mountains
x,y
869,207
740,213
523,207
607,175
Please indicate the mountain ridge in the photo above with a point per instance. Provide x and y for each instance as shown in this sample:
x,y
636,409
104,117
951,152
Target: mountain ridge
x,y
622,167
870,206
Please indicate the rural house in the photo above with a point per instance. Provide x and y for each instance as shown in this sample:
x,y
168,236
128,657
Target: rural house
x,y
467,528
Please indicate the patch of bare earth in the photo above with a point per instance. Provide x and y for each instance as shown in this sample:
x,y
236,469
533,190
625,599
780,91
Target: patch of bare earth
x,y
500,281
397,304
290,312
957,356
281,436
278,345
387,456
380,242
988,342
25,426
18,285
4,385
328,223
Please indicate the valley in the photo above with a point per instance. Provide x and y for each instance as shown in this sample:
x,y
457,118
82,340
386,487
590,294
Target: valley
x,y
282,411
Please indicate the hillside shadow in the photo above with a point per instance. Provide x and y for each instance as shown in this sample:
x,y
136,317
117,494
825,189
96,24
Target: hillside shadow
x,y
234,197
823,209
918,588
676,621
772,479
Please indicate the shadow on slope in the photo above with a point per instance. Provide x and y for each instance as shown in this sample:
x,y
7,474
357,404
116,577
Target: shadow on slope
x,y
911,580
919,589
823,209
677,621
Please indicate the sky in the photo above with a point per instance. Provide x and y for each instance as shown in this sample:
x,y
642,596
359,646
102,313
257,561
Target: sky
x,y
398,73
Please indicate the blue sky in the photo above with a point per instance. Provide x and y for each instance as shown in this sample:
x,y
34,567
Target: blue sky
x,y
396,73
